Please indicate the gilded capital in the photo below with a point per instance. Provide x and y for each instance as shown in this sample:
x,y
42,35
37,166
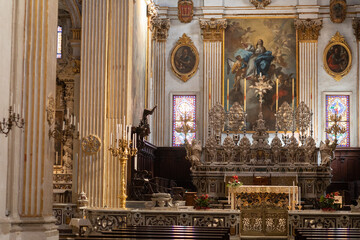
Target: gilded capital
x,y
308,29
152,10
160,27
356,27
213,29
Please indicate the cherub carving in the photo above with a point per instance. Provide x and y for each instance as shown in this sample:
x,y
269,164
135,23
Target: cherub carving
x,y
193,152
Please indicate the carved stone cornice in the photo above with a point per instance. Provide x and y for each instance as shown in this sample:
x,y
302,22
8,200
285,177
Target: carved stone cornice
x,y
356,27
213,29
308,29
160,27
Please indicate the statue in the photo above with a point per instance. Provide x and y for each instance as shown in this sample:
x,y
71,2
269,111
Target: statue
x,y
326,152
143,130
193,152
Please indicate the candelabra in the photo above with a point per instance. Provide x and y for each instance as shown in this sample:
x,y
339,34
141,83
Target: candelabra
x,y
124,147
13,119
68,130
335,129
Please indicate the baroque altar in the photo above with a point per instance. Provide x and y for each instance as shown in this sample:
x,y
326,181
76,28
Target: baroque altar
x,y
284,158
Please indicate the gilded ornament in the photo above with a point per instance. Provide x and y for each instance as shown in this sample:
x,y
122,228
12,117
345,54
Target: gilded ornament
x,y
160,28
308,29
338,11
236,117
185,10
217,118
213,29
303,117
50,110
260,4
91,144
284,117
337,57
184,58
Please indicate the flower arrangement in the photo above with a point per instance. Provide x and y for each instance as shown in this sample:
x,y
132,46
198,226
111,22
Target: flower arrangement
x,y
202,202
234,182
327,202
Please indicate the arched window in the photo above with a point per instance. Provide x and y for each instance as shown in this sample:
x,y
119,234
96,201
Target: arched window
x,y
59,38
339,105
184,119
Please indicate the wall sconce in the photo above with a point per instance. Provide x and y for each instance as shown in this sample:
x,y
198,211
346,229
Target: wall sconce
x,y
13,119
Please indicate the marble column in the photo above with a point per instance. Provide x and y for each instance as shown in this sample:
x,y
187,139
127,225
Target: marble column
x,y
308,33
106,42
356,27
160,29
30,67
213,33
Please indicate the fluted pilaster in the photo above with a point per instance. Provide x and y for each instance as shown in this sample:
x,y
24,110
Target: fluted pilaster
x,y
308,33
105,75
356,27
212,32
160,28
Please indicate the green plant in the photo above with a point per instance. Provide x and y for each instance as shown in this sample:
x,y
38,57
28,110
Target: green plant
x,y
327,202
202,202
234,182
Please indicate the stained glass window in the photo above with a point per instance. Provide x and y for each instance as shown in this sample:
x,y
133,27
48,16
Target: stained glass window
x,y
339,105
184,118
59,39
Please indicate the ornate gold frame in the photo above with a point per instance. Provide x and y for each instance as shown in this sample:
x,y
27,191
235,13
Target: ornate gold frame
x,y
91,144
184,41
337,39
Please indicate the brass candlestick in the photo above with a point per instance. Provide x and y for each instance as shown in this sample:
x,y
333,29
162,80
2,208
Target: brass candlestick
x,y
123,150
335,129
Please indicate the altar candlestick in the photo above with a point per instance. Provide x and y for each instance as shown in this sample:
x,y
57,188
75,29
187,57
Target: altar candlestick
x,y
227,95
299,195
277,94
244,94
111,138
293,94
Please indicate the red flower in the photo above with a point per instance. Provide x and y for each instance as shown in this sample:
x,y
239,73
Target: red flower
x,y
337,193
327,196
236,177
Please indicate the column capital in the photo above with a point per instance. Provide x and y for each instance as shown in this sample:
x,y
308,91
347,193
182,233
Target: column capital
x,y
356,27
308,29
160,27
152,10
213,29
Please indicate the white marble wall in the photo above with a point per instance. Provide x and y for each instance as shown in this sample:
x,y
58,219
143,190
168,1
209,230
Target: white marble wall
x,y
346,85
173,84
233,8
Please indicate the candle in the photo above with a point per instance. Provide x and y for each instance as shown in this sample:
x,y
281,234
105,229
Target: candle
x,y
245,94
135,162
111,138
310,93
299,201
277,93
135,140
227,95
56,158
289,197
117,131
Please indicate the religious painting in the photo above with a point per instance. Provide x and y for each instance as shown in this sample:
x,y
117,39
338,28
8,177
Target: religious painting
x,y
185,10
337,10
260,67
184,58
337,57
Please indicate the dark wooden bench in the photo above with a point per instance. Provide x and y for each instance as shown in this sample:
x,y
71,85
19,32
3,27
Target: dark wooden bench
x,y
327,233
161,232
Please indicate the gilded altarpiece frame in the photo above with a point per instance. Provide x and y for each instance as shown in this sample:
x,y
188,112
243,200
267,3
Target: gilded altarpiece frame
x,y
254,46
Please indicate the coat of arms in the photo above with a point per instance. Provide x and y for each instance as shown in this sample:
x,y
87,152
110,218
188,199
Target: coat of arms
x,y
185,10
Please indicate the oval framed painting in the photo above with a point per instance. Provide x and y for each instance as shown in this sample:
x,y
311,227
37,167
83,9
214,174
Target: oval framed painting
x,y
337,57
184,58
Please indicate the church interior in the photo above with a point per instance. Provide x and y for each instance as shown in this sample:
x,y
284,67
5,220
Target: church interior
x,y
182,119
